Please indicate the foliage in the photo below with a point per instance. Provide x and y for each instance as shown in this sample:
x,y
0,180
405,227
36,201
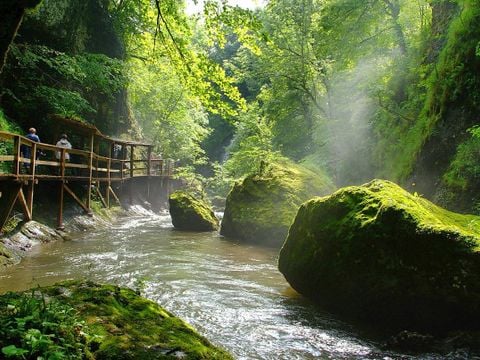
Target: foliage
x,y
57,82
33,326
464,169
452,83
7,147
160,31
251,146
172,119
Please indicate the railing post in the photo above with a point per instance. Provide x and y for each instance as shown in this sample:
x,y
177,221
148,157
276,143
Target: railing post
x,y
131,160
33,167
109,181
62,164
16,155
90,172
149,160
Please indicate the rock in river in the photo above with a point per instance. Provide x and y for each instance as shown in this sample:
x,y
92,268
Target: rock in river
x,y
261,208
387,257
190,213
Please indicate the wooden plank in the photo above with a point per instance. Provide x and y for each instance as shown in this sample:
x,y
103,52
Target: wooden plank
x,y
101,196
9,191
114,195
23,203
77,199
60,207
7,157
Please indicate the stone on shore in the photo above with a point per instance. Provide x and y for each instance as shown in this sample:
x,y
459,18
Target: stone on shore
x,y
16,245
387,257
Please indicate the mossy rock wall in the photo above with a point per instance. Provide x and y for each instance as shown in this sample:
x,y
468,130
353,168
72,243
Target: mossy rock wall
x,y
261,208
387,257
116,323
190,213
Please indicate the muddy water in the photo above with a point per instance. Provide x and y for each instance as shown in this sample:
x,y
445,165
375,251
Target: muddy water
x,y
230,292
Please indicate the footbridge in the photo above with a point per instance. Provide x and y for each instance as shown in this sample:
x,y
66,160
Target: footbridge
x,y
96,167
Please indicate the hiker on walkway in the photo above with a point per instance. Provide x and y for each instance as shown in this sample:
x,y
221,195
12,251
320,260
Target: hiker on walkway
x,y
63,142
26,150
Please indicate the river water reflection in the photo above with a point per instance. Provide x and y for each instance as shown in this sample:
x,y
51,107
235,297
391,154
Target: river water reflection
x,y
232,293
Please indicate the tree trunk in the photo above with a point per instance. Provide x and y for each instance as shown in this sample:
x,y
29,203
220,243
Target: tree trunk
x,y
11,15
393,10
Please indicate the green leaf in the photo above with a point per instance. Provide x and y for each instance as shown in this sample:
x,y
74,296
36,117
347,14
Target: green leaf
x,y
13,351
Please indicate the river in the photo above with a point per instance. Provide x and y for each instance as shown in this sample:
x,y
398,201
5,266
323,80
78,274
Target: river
x,y
230,292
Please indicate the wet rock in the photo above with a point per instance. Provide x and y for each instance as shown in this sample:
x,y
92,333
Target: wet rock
x,y
411,342
261,208
190,213
8,256
30,234
386,257
37,232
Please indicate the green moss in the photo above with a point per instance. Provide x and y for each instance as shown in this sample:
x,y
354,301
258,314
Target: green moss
x,y
263,205
382,254
123,325
190,213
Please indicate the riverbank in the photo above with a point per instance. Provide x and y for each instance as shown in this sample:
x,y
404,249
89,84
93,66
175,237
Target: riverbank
x,y
88,320
18,243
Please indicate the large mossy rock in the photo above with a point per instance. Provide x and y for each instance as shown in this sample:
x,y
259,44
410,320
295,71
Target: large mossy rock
x,y
261,208
190,213
385,256
110,323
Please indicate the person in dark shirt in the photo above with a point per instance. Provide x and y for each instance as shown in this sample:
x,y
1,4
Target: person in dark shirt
x,y
32,135
27,150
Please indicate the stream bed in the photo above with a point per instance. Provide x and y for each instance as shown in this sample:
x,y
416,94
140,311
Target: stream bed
x,y
232,293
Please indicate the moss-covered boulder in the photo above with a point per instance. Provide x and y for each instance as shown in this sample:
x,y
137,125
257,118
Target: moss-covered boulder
x,y
84,320
388,257
261,208
190,213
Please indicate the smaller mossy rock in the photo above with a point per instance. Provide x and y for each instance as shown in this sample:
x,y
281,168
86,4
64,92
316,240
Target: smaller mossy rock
x,y
111,323
190,213
386,257
261,208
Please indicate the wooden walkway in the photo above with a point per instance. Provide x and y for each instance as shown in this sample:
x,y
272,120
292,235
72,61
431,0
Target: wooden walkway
x,y
107,161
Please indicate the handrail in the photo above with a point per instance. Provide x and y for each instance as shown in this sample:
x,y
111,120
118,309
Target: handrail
x,y
81,165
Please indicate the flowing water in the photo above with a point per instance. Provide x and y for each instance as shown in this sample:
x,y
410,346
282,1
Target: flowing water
x,y
230,292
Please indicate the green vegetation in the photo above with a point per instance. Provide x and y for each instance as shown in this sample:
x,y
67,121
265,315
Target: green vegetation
x,y
383,88
407,262
90,321
33,326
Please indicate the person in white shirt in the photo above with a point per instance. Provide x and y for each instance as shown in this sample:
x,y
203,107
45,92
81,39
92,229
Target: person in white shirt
x,y
63,142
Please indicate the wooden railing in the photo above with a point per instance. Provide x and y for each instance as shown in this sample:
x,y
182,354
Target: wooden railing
x,y
50,162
